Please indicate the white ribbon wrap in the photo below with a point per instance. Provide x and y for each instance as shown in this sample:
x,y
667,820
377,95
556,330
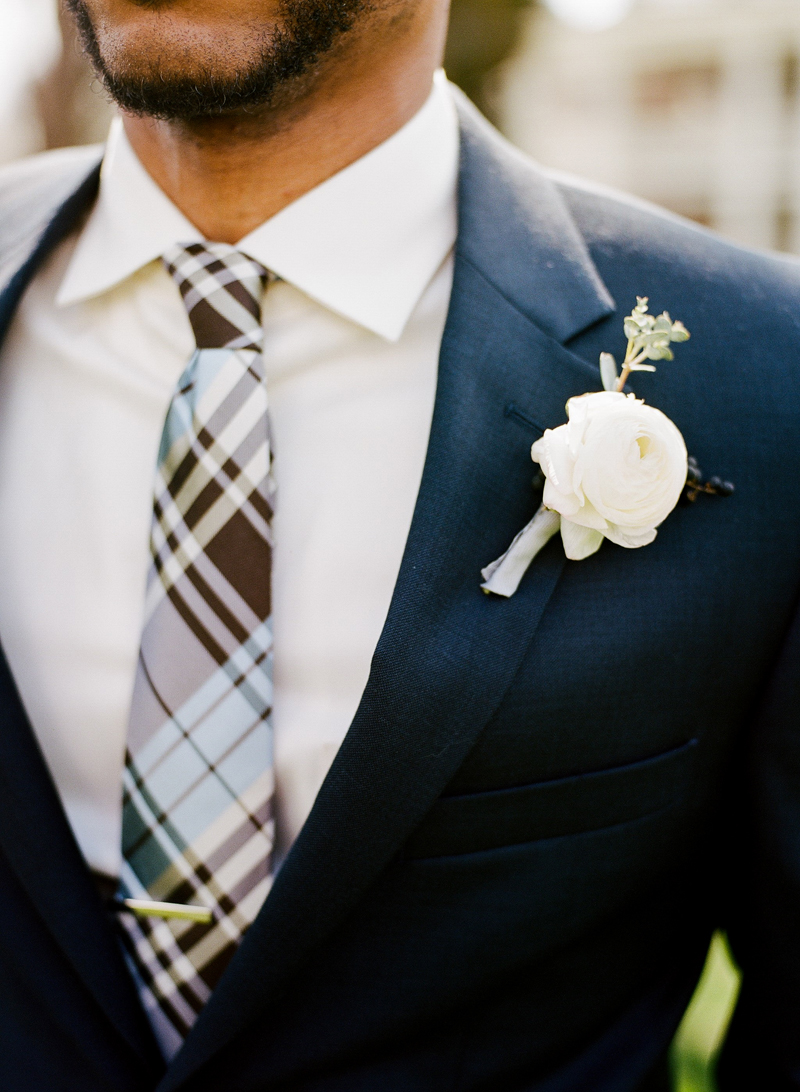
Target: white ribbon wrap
x,y
502,577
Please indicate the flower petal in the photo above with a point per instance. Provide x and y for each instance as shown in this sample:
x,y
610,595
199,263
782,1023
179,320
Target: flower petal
x,y
579,542
552,453
630,539
565,503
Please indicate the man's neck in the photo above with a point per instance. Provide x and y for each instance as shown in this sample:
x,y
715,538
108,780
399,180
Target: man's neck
x,y
229,174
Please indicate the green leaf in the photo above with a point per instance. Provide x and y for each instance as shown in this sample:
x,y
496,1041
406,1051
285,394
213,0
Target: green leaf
x,y
650,335
659,352
608,372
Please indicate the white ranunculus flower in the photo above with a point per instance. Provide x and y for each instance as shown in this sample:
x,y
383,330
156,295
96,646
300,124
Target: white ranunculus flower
x,y
615,470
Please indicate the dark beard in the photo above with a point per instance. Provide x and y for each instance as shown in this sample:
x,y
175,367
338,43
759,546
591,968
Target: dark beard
x,y
309,29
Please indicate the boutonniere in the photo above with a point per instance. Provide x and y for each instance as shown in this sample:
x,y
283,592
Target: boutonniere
x,y
615,470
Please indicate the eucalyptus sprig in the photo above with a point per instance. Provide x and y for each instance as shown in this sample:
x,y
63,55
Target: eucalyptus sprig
x,y
649,338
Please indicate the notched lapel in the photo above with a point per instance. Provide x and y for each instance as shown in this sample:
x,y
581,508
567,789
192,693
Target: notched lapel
x,y
516,227
447,653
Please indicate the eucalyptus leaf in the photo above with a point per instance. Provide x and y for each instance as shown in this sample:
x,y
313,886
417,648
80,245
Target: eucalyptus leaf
x,y
658,352
608,372
649,337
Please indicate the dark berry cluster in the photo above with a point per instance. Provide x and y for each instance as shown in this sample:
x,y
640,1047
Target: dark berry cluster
x,y
697,484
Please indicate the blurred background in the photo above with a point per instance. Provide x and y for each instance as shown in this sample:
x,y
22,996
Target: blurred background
x,y
694,104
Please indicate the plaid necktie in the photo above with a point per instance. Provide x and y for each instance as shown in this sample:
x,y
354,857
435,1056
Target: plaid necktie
x,y
197,827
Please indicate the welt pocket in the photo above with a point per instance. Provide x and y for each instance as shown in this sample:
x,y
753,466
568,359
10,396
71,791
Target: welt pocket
x,y
551,809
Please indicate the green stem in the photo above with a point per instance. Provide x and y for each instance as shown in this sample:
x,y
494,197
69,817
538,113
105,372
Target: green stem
x,y
627,365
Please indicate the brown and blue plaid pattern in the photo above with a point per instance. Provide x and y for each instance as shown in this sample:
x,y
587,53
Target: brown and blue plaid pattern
x,y
197,819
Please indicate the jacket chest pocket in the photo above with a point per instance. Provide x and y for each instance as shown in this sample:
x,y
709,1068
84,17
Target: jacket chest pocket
x,y
482,821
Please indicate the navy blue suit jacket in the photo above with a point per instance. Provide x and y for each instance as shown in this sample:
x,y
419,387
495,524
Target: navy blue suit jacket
x,y
545,804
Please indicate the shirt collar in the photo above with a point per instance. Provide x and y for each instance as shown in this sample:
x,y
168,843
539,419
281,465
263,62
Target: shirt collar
x,y
365,243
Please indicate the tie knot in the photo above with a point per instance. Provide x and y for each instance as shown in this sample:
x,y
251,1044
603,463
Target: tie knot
x,y
221,290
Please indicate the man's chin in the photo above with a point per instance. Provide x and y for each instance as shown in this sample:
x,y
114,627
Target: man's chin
x,y
168,63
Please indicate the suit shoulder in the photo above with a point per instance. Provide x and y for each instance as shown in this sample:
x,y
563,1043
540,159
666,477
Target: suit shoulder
x,y
735,299
31,192
34,179
32,189
620,228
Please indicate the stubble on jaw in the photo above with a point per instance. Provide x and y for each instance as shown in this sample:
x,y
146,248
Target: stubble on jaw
x,y
268,66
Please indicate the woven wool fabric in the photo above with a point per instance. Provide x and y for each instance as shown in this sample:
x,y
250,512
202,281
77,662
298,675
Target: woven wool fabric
x,y
197,819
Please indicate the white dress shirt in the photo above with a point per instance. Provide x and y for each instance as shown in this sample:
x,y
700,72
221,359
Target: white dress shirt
x,y
352,336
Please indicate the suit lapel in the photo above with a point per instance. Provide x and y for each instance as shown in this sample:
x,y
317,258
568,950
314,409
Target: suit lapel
x,y
34,833
523,282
